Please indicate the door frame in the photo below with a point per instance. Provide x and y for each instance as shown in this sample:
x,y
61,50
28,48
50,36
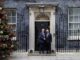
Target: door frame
x,y
32,28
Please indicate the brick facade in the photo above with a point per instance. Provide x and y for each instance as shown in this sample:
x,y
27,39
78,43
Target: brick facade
x,y
61,20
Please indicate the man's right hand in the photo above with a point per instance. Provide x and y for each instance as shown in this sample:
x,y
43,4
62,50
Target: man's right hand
x,y
44,39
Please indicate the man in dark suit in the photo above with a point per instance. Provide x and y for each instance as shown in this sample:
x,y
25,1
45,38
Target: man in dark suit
x,y
48,41
41,41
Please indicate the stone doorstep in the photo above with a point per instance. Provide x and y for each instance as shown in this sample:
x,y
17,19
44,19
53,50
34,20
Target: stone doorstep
x,y
38,54
41,54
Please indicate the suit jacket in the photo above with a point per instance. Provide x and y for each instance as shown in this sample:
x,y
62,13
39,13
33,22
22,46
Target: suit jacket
x,y
41,38
48,38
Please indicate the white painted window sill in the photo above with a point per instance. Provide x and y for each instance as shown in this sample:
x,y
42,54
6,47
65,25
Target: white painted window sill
x,y
73,38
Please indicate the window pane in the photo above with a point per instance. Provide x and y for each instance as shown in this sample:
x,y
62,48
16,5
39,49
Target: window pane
x,y
71,33
78,18
76,32
13,19
79,33
70,11
70,26
76,11
79,26
75,18
9,13
13,13
71,19
76,26
9,20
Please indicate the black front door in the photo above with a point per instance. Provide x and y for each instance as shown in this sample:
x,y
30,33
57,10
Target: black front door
x,y
38,27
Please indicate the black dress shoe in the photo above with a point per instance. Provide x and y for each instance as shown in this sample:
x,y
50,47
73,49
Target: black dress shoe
x,y
39,52
48,52
43,52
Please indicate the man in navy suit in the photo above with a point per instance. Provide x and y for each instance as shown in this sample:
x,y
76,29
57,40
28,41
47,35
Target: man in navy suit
x,y
48,41
41,41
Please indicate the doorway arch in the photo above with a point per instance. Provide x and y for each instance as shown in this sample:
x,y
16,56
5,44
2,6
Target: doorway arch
x,y
36,16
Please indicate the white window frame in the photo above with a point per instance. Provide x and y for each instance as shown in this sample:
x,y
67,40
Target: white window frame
x,y
16,19
72,37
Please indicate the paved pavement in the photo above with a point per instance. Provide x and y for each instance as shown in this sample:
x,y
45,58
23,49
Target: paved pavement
x,y
59,56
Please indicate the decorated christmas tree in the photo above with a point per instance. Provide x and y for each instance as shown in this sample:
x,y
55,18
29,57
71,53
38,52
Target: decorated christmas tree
x,y
6,36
